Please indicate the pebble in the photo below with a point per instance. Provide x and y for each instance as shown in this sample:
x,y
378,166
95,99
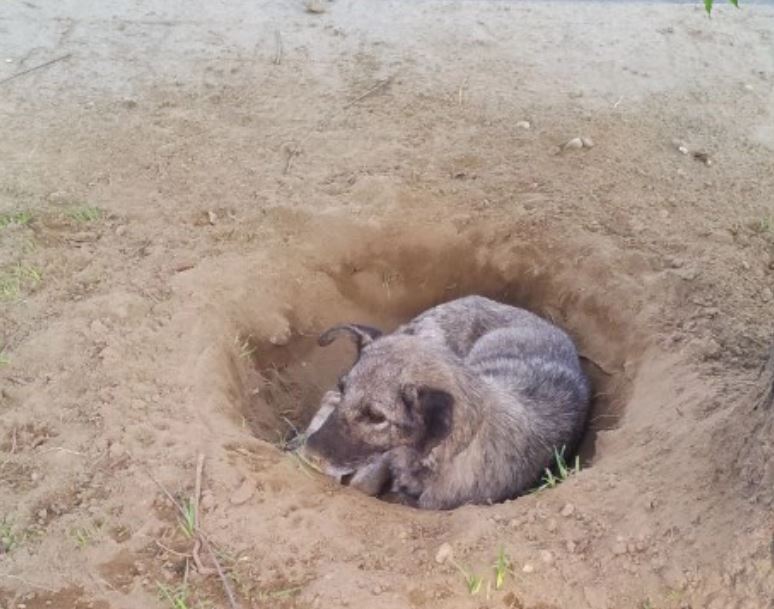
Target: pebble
x,y
680,146
528,568
570,545
377,590
42,514
767,294
243,493
523,125
551,525
568,510
444,553
575,143
619,548
121,230
547,557
315,6
587,142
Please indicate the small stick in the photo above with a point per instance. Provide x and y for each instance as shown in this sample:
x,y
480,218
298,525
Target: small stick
x,y
198,489
34,68
170,550
380,85
460,92
224,580
198,561
278,53
292,153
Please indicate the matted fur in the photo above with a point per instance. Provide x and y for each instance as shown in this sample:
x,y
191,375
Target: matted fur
x,y
464,404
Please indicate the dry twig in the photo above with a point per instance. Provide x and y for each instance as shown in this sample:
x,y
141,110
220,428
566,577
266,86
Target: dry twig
x,y
34,68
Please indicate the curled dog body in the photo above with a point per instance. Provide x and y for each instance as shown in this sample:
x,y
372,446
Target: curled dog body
x,y
464,404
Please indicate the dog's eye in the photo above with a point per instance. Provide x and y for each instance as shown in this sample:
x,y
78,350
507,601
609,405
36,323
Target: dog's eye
x,y
373,416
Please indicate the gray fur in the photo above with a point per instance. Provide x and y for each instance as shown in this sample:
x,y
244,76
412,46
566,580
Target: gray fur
x,y
463,404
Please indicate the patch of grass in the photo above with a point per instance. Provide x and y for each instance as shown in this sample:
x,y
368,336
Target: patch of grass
x,y
551,479
21,218
188,518
708,4
81,536
177,598
4,359
84,214
502,567
764,225
245,346
16,279
472,581
9,539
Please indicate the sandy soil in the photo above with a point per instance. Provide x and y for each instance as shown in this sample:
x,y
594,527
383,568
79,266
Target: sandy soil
x,y
197,189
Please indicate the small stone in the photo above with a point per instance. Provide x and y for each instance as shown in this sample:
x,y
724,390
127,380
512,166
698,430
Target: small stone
x,y
212,217
444,553
767,294
514,523
34,476
546,556
749,87
315,6
243,493
680,146
619,548
575,143
523,125
42,514
528,568
377,590
587,142
745,265
571,546
568,510
551,525
403,535
116,450
121,230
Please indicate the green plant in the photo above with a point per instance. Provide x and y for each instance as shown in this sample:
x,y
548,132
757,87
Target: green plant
x,y
12,281
709,3
81,536
9,539
551,479
4,359
502,567
472,581
176,597
188,519
21,218
84,213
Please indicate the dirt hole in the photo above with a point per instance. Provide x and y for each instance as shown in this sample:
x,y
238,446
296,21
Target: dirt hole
x,y
385,284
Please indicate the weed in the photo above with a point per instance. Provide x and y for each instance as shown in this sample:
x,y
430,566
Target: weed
x,y
9,539
19,277
4,359
176,597
502,566
551,479
20,218
646,604
245,346
472,581
188,520
764,225
81,536
84,214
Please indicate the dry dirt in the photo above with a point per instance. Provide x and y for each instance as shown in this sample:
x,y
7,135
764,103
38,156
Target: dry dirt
x,y
198,189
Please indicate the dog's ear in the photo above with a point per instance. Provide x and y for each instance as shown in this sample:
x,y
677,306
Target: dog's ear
x,y
361,335
434,408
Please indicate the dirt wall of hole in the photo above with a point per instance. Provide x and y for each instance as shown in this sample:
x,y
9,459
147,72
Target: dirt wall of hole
x,y
384,276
